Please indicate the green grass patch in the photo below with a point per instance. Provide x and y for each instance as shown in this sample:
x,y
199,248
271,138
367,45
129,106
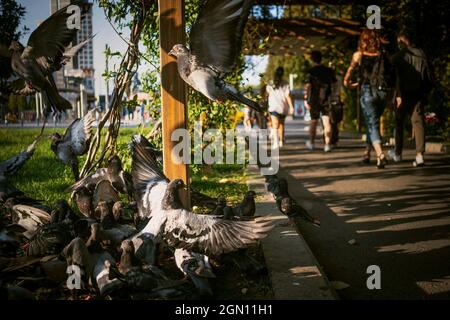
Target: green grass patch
x,y
45,178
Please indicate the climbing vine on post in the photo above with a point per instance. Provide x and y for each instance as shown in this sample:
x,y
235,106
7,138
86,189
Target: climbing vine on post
x,y
117,13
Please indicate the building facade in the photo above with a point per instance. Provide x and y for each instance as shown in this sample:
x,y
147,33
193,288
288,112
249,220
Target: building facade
x,y
80,70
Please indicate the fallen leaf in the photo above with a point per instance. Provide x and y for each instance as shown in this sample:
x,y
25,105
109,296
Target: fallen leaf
x,y
352,242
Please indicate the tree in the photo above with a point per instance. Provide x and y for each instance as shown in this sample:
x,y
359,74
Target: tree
x,y
10,18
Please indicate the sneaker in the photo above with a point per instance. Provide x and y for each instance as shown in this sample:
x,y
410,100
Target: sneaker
x,y
327,148
419,161
309,145
393,156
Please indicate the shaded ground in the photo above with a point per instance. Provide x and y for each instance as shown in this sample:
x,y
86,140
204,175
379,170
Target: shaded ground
x,y
399,217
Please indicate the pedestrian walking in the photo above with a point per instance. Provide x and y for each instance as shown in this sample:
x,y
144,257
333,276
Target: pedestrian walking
x,y
318,88
376,80
414,83
280,104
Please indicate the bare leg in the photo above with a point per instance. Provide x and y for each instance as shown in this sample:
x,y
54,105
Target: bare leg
x,y
327,129
275,127
281,131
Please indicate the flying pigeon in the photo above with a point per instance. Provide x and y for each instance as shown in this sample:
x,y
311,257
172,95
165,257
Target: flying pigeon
x,y
44,54
114,173
214,46
177,226
75,141
10,167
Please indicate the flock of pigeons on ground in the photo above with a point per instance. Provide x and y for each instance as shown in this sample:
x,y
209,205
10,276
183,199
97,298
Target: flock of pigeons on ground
x,y
126,223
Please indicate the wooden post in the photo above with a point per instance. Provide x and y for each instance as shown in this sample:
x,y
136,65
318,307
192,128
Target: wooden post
x,y
173,88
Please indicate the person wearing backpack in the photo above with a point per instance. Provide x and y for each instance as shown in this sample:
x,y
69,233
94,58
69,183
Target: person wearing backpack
x,y
319,81
414,83
377,82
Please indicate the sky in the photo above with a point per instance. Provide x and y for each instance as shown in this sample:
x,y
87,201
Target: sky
x,y
38,10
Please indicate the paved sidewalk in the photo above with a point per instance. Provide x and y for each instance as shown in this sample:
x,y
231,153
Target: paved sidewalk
x,y
294,271
397,218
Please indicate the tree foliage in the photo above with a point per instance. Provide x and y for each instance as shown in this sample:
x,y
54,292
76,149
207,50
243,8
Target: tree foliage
x,y
11,14
428,21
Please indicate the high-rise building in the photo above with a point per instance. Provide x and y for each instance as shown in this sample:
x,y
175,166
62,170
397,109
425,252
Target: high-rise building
x,y
81,68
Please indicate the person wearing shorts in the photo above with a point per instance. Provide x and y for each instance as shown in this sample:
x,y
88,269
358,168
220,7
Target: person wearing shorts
x,y
280,105
319,81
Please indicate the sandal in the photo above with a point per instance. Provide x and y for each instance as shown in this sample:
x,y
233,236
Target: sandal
x,y
381,162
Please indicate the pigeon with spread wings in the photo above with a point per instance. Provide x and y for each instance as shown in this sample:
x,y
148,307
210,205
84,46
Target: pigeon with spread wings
x,y
10,167
45,53
214,46
75,141
179,227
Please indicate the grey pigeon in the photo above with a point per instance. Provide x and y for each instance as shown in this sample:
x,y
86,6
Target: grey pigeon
x,y
247,207
197,267
286,204
114,173
112,237
75,141
179,227
10,239
10,167
51,238
104,210
29,217
128,258
84,201
104,191
215,43
293,210
44,54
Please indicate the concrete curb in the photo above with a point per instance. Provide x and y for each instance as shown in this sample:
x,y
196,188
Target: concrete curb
x,y
294,271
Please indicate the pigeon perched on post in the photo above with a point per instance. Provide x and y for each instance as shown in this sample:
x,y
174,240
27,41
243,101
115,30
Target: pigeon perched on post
x,y
44,54
75,141
214,45
179,227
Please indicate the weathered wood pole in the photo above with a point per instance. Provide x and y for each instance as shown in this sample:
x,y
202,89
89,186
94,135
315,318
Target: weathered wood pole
x,y
173,88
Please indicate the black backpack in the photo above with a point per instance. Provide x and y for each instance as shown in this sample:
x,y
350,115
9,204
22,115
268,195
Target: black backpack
x,y
383,73
320,88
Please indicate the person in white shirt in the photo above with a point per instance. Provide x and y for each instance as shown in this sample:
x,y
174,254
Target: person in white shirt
x,y
280,104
